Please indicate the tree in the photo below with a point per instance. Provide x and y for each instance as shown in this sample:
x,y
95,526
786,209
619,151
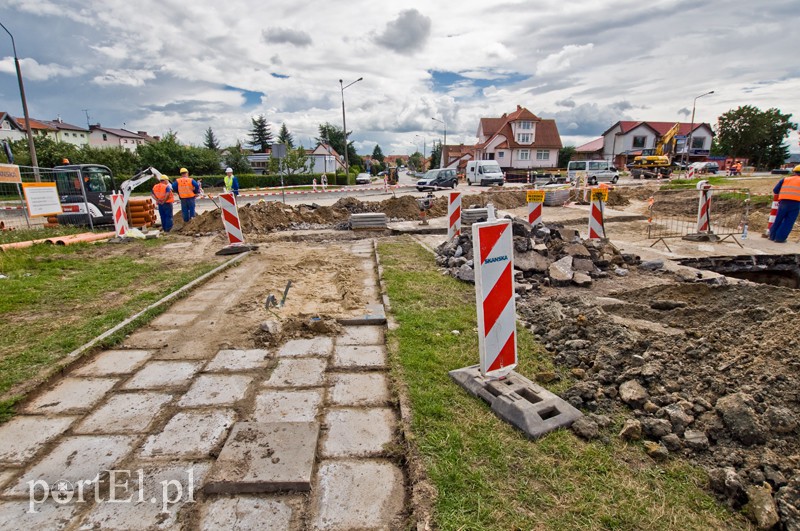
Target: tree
x,y
168,156
415,160
285,137
295,162
436,155
377,154
748,132
564,155
236,159
260,135
211,140
334,136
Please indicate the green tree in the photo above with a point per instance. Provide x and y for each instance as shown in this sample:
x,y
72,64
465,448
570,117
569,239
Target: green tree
x,y
436,155
285,137
295,162
49,152
377,154
415,160
757,135
565,155
236,159
211,140
168,156
260,135
334,136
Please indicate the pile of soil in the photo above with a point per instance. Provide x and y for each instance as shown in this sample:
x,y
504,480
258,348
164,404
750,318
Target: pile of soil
x,y
707,372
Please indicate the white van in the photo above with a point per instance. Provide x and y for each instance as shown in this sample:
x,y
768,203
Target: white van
x,y
596,171
484,172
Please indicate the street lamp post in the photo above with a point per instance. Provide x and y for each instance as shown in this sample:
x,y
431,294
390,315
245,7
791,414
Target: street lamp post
x,y
344,124
441,155
688,145
31,147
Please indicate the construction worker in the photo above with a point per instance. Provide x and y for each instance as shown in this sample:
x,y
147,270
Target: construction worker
x,y
164,198
788,192
186,188
231,182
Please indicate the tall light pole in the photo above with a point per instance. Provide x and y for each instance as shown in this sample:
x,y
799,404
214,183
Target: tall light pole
x,y
424,149
688,145
441,155
31,147
344,124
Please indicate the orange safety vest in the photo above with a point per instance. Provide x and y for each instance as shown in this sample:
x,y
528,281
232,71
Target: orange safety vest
x,y
185,188
790,189
163,193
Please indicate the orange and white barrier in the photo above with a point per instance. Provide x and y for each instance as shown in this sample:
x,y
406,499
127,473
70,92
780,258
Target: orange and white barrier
x,y
535,200
704,207
230,218
119,214
494,289
773,213
597,228
454,215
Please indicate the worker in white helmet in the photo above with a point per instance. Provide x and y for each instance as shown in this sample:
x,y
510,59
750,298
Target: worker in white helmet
x,y
231,182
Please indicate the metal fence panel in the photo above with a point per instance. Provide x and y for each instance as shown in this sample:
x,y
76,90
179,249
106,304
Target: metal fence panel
x,y
13,209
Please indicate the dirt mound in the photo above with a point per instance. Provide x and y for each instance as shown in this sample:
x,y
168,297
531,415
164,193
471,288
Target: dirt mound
x,y
266,216
276,332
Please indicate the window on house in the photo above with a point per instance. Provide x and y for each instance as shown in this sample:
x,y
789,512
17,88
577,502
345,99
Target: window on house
x,y
125,141
82,135
105,137
639,142
526,125
542,154
524,154
75,135
500,154
524,138
698,142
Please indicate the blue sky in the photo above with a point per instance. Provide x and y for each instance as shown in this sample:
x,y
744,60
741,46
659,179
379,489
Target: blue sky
x,y
172,65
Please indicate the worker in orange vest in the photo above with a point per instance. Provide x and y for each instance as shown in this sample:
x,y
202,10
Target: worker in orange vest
x,y
187,189
788,192
164,198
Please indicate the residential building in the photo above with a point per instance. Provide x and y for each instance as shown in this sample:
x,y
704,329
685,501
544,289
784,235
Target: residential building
x,y
626,139
519,140
109,137
39,128
10,128
68,133
458,156
590,151
324,159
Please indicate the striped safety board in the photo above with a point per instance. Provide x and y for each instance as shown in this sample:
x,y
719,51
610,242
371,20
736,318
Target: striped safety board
x,y
230,218
454,215
120,217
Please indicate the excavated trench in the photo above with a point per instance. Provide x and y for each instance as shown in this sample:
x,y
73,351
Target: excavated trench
x,y
774,270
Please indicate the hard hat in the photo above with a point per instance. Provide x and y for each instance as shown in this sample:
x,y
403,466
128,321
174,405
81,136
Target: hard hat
x,y
163,177
183,170
228,170
64,161
796,169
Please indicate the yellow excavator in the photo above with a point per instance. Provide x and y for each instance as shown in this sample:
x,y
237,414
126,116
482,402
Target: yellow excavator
x,y
656,162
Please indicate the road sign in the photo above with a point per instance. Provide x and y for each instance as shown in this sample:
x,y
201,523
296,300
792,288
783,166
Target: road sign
x,y
534,196
42,199
9,173
600,194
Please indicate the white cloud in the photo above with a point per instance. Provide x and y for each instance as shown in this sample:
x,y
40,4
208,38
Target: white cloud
x,y
562,60
132,78
33,71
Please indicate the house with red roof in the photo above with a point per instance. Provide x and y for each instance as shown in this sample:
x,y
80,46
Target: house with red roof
x,y
10,128
111,137
626,139
519,140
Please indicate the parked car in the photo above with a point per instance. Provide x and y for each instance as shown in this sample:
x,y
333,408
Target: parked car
x,y
705,167
680,165
363,178
438,178
595,170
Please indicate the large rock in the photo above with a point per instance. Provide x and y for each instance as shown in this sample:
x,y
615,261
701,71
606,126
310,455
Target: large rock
x,y
586,428
788,499
582,264
531,261
631,431
695,439
561,271
781,420
577,250
652,265
582,279
656,450
656,428
740,418
465,273
761,507
633,394
568,235
727,482
678,417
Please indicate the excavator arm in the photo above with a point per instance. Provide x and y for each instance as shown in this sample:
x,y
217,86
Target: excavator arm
x,y
666,144
143,176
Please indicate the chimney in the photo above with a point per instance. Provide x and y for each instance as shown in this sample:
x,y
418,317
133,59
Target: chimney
x,y
142,133
59,120
519,107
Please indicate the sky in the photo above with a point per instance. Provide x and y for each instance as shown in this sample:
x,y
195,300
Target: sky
x,y
160,65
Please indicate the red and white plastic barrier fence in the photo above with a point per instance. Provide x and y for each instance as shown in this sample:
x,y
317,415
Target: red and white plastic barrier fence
x,y
230,218
494,290
704,207
597,227
535,200
119,214
454,215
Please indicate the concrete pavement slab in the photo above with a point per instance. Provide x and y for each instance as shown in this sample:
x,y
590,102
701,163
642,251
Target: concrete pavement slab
x,y
358,432
75,459
361,335
174,320
187,350
47,516
71,395
163,374
265,457
246,513
190,434
354,356
287,406
114,362
362,494
321,346
238,360
209,295
23,436
216,390
5,477
149,338
157,486
301,372
125,413
359,389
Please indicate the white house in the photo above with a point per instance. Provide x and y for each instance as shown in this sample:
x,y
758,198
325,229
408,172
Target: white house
x,y
519,140
626,139
71,134
10,129
110,137
324,159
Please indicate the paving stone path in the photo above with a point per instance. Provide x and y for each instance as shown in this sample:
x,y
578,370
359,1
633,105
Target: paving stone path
x,y
203,437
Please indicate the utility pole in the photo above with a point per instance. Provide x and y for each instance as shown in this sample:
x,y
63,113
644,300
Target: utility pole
x,y
31,146
344,124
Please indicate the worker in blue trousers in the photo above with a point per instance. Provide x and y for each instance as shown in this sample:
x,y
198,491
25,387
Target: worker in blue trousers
x,y
164,197
788,192
187,189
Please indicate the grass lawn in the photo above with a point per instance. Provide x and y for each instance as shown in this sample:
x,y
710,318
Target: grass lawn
x,y
487,474
58,298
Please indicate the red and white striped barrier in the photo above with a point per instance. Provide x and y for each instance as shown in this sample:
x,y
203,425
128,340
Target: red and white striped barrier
x,y
704,207
454,215
773,213
535,200
120,217
494,289
597,227
690,173
230,218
